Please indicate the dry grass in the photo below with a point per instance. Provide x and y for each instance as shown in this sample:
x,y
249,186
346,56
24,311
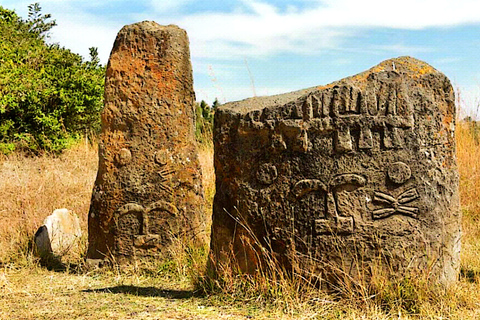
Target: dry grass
x,y
35,293
205,157
468,155
32,188
380,297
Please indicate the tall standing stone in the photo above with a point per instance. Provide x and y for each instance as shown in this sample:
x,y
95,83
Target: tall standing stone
x,y
341,179
148,187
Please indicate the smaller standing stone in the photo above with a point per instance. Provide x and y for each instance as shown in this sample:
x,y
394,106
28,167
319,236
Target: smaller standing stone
x,y
148,189
58,234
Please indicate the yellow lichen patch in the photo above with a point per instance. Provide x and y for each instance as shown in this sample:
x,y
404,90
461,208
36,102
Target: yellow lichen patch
x,y
415,68
377,69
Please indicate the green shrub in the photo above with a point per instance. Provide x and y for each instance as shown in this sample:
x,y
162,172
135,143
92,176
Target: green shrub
x,y
204,121
49,96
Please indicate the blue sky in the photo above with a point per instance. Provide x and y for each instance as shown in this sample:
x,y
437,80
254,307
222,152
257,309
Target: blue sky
x,y
241,48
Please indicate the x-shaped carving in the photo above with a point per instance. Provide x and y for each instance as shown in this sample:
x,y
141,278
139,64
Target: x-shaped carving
x,y
397,206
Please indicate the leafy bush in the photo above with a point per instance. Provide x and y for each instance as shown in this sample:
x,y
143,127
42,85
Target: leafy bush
x,y
204,121
49,96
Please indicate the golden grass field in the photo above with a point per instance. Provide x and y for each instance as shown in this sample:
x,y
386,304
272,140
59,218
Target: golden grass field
x,y
32,187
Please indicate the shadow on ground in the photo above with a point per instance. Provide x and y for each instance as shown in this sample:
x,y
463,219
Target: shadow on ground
x,y
145,292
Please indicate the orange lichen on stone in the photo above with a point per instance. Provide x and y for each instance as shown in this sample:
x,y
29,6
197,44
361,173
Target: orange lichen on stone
x,y
447,120
327,86
148,156
402,65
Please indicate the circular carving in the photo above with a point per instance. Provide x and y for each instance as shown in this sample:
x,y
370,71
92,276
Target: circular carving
x,y
161,157
399,172
124,156
267,173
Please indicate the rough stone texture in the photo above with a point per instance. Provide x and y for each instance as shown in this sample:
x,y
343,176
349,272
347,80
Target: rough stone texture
x,y
349,176
148,186
58,234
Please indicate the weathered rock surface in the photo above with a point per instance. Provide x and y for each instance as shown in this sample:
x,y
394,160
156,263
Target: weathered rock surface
x,y
58,234
148,188
342,178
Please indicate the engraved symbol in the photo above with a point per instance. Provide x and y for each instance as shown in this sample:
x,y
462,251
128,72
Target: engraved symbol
x,y
292,134
150,226
332,222
133,209
356,120
397,206
164,174
267,173
307,108
339,225
399,172
158,224
365,140
392,138
124,156
343,140
361,117
278,143
161,157
128,222
302,141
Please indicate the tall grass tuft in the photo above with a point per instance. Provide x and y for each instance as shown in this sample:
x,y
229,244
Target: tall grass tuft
x,y
468,155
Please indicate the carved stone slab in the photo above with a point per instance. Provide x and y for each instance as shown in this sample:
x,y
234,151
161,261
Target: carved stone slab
x,y
148,187
343,176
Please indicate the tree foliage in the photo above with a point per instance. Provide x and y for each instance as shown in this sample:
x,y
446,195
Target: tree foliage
x,y
37,22
204,121
49,96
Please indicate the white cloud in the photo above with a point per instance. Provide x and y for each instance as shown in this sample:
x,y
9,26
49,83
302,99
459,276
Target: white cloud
x,y
264,30
76,30
79,32
258,28
408,14
218,70
254,28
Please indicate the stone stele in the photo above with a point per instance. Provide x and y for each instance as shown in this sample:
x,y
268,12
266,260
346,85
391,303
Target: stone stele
x,y
148,188
340,180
